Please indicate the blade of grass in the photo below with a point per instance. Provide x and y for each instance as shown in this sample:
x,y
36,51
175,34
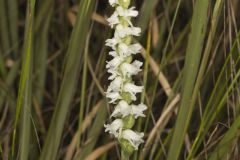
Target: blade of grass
x,y
1,150
145,74
76,46
84,86
13,24
3,71
41,49
148,50
224,146
4,27
24,92
193,55
10,78
145,13
44,10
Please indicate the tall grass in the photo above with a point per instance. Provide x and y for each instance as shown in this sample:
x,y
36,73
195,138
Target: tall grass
x,y
53,79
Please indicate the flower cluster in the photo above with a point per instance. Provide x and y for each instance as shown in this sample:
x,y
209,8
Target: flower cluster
x,y
122,90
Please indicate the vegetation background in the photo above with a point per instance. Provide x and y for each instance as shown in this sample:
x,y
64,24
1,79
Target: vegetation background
x,y
53,78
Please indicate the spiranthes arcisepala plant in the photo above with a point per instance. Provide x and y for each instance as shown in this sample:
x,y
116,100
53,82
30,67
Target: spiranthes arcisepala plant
x,y
122,90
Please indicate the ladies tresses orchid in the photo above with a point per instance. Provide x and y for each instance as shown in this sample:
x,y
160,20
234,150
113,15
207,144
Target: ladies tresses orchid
x,y
122,91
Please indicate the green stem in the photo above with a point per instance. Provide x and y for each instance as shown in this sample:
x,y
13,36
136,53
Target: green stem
x,y
124,155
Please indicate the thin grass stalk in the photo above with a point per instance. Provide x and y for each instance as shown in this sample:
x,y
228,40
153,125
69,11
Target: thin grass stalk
x,y
164,26
170,33
69,82
145,74
24,92
83,88
178,44
193,55
145,78
148,50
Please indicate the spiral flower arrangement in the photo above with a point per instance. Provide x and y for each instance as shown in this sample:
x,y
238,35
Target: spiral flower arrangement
x,y
122,91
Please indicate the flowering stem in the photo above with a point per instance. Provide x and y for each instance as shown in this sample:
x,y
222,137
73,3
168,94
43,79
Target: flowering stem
x,y
122,90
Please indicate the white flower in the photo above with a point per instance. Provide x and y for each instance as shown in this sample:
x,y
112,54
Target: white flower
x,y
115,127
113,20
124,109
114,73
137,110
113,53
123,31
127,50
113,42
133,90
134,138
121,109
114,96
135,48
115,85
131,69
126,12
113,2
115,62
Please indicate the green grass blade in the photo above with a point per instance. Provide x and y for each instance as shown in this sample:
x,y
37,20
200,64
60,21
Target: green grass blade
x,y
146,13
2,65
41,49
225,145
24,92
13,24
1,150
193,55
45,7
10,78
83,89
76,46
4,27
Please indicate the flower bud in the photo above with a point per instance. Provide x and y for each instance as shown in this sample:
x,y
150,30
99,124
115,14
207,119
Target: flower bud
x,y
126,146
128,121
127,97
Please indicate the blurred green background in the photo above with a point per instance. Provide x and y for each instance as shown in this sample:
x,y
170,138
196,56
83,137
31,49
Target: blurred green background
x,y
53,79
